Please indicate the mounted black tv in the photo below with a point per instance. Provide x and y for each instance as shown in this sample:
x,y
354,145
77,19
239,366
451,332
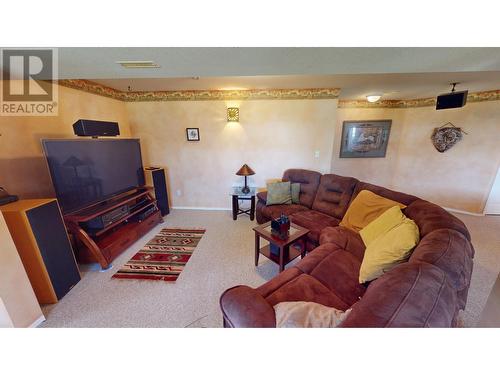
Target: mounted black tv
x,y
87,171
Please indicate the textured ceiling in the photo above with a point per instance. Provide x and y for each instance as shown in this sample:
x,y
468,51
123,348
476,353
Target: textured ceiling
x,y
99,63
399,73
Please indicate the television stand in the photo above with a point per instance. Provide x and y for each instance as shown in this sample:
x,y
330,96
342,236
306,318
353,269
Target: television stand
x,y
105,244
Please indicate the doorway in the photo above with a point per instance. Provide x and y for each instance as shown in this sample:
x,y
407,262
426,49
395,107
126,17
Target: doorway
x,y
493,203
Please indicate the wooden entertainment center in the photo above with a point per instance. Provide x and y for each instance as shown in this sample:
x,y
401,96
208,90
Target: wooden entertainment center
x,y
138,213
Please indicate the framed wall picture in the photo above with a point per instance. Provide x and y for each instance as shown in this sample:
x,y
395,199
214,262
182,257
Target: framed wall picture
x,y
365,139
193,134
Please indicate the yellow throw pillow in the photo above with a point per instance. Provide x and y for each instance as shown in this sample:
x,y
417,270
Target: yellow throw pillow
x,y
389,250
382,224
365,208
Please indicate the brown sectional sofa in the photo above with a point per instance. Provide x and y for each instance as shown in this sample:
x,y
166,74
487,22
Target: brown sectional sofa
x,y
427,291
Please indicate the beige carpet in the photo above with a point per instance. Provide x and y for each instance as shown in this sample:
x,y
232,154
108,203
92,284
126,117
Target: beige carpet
x,y
223,258
485,233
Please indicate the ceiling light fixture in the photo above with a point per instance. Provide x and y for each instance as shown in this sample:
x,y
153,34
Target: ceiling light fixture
x,y
138,64
372,98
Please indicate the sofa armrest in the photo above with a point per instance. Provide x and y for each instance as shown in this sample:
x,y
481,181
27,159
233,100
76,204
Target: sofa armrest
x,y
262,196
244,307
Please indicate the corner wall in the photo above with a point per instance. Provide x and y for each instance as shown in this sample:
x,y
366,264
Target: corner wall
x,y
460,178
23,170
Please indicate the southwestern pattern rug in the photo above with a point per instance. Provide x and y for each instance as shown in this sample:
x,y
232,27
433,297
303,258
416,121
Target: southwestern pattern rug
x,y
164,257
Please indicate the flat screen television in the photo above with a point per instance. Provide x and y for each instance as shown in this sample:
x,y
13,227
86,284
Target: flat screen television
x,y
87,171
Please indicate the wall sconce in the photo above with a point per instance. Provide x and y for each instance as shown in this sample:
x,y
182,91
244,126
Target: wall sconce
x,y
233,114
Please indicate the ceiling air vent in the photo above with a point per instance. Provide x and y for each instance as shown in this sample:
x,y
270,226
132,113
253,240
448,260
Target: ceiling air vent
x,y
138,64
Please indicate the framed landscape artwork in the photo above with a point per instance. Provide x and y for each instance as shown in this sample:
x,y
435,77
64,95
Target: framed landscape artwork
x,y
365,139
193,134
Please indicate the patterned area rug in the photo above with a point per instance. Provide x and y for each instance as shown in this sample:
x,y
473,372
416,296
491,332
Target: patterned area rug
x,y
164,257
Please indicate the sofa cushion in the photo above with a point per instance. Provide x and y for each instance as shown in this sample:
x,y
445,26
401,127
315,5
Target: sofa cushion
x,y
309,182
334,194
397,196
365,208
451,252
430,217
306,288
389,250
335,268
278,193
273,212
314,221
411,295
345,239
275,283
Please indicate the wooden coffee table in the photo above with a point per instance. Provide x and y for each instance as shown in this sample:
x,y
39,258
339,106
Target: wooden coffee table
x,y
287,252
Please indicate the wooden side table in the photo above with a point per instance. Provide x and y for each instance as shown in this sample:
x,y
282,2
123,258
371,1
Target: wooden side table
x,y
238,195
287,252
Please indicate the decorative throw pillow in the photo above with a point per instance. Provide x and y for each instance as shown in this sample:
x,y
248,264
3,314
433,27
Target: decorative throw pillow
x,y
381,225
295,191
365,208
388,250
302,314
278,193
269,181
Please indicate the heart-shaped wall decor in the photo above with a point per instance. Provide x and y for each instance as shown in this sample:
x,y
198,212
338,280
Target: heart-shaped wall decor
x,y
445,138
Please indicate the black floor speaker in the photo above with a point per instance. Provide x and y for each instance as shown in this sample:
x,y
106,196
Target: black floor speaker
x,y
38,230
155,177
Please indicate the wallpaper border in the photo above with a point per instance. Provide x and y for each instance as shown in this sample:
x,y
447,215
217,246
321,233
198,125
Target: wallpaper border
x,y
188,95
472,97
261,94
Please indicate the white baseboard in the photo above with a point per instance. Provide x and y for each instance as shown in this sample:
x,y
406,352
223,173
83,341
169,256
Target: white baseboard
x,y
37,322
462,212
202,208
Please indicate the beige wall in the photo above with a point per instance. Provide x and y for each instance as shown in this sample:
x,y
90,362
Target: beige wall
x,y
23,170
460,178
20,305
272,135
5,320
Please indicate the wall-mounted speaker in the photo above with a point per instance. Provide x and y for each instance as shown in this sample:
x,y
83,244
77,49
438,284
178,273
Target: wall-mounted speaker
x,y
155,177
93,128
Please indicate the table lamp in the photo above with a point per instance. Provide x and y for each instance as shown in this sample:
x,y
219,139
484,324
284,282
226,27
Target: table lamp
x,y
245,170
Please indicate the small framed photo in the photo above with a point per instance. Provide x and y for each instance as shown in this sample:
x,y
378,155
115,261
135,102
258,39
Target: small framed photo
x,y
365,139
193,134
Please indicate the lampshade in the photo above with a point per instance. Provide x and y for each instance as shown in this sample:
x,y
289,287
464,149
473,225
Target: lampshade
x,y
245,170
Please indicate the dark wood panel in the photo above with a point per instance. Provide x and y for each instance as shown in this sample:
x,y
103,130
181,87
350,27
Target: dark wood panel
x,y
101,208
106,244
